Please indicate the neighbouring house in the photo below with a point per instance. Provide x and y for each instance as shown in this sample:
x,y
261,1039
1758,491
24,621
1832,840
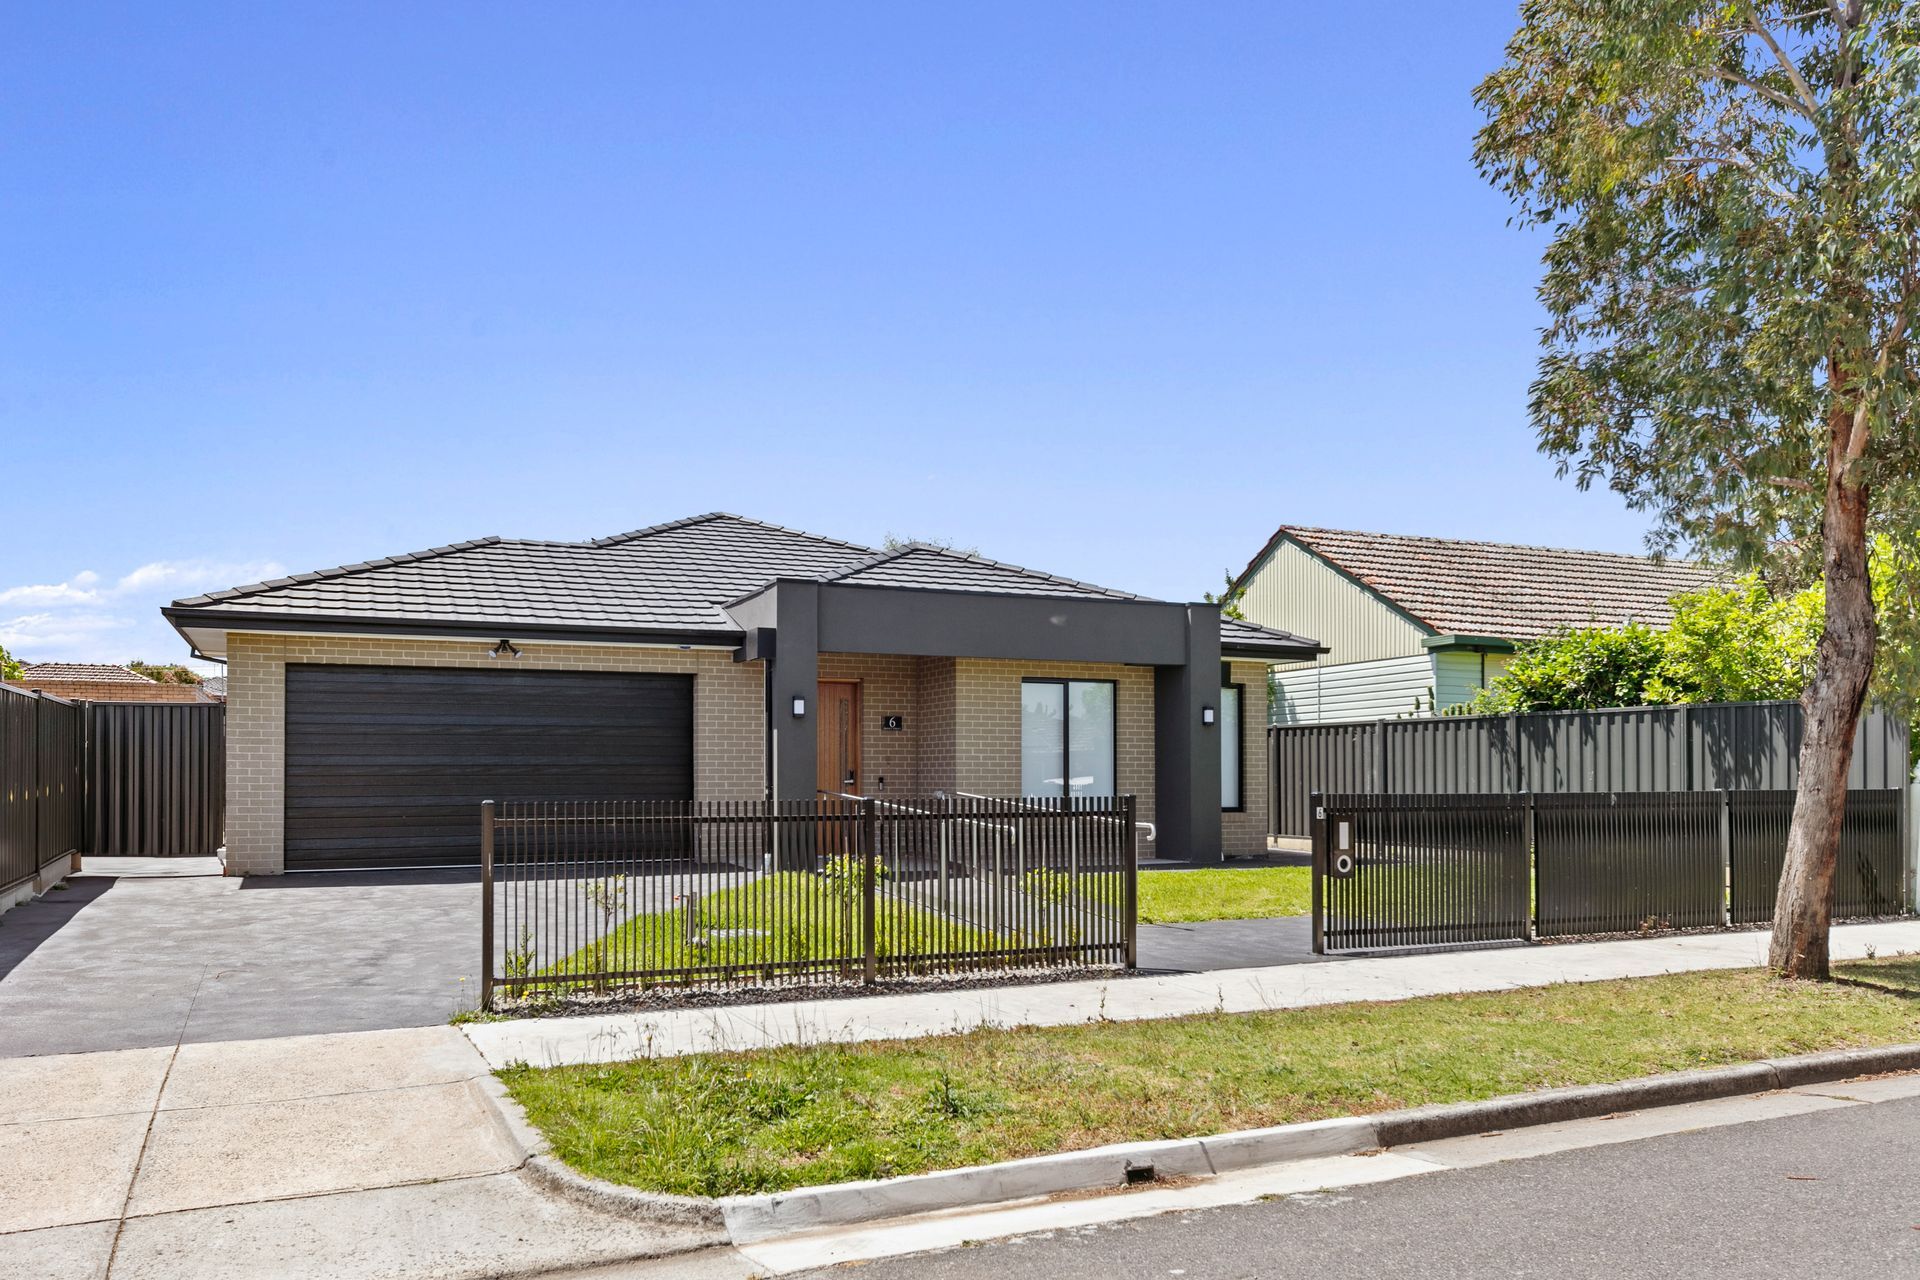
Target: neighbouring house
x,y
371,707
1415,625
101,682
215,687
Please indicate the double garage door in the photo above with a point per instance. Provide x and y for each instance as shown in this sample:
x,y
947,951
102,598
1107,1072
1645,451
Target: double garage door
x,y
387,766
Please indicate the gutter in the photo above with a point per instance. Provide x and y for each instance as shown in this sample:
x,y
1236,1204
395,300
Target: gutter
x,y
1470,643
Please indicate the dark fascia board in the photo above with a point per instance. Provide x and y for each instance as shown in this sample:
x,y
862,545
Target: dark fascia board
x,y
1271,653
870,618
1476,644
760,645
1281,535
303,624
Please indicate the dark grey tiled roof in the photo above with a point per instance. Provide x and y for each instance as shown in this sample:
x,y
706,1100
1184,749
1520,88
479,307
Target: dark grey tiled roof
x,y
668,577
936,568
671,577
1236,634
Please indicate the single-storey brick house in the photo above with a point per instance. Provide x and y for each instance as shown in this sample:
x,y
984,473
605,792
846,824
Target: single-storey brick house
x,y
102,682
371,707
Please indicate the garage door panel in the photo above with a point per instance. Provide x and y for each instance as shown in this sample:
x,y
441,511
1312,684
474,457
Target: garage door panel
x,y
387,765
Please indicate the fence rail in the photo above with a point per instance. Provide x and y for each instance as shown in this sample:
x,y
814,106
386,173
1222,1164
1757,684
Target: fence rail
x,y
1737,746
614,894
1422,870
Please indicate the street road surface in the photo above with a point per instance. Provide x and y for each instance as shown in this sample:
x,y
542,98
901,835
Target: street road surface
x,y
1831,1195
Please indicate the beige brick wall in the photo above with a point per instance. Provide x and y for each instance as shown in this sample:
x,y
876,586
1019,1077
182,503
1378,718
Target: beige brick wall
x,y
729,760
934,700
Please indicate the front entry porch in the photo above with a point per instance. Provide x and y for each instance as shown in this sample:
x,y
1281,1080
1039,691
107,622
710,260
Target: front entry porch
x,y
878,691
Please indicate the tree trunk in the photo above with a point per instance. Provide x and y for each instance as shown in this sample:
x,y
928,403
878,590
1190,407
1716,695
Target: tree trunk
x,y
1803,912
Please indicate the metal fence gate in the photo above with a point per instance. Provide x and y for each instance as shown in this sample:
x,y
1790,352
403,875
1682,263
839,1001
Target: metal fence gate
x,y
41,789
1395,871
156,778
107,778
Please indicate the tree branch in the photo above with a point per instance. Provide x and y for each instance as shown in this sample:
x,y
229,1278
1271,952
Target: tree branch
x,y
1786,100
1800,84
1858,435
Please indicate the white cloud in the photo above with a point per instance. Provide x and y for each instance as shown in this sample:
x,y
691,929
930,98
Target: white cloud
x,y
88,618
49,593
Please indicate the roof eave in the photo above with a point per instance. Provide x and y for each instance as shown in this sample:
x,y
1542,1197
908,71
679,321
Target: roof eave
x,y
1480,644
183,620
1271,652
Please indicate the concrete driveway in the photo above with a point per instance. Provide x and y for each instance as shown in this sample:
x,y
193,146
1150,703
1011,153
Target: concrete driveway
x,y
146,952
341,1157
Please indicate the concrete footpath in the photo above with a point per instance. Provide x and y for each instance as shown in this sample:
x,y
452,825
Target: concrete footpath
x,y
618,1037
325,1157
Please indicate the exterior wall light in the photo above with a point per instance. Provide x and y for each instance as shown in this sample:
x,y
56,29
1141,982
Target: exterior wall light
x,y
504,649
799,708
1206,715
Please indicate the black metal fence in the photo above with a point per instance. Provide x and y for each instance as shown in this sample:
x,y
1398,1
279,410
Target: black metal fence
x,y
156,778
1423,870
41,790
1738,746
611,895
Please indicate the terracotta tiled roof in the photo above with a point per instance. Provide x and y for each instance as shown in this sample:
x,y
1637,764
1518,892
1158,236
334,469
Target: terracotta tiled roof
x,y
92,672
1502,589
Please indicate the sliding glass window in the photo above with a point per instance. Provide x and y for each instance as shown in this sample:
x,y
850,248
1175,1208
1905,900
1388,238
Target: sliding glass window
x,y
1067,738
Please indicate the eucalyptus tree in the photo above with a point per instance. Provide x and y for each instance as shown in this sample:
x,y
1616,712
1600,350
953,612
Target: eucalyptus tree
x,y
1731,195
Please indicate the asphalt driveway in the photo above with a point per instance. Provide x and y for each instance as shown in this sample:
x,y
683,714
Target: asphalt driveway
x,y
124,962
138,953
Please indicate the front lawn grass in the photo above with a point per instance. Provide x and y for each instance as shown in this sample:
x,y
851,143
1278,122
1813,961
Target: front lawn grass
x,y
1224,893
720,1124
783,918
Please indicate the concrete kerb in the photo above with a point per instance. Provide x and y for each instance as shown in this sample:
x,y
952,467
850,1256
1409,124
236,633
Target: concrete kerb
x,y
746,1219
540,1165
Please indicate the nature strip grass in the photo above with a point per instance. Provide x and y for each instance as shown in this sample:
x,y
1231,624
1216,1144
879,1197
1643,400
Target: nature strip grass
x,y
767,1120
1224,893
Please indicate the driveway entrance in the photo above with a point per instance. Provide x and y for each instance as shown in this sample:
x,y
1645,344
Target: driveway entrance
x,y
143,952
182,954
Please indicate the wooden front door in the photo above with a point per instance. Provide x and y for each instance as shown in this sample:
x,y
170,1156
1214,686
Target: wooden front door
x,y
839,736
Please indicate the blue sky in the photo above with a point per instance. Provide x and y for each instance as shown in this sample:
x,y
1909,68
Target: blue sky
x,y
1108,289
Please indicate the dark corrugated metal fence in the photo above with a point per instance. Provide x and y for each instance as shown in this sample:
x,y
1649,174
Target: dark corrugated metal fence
x,y
1739,746
1422,870
41,817
156,778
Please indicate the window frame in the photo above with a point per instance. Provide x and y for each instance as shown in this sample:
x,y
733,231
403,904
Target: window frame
x,y
1240,748
1066,738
